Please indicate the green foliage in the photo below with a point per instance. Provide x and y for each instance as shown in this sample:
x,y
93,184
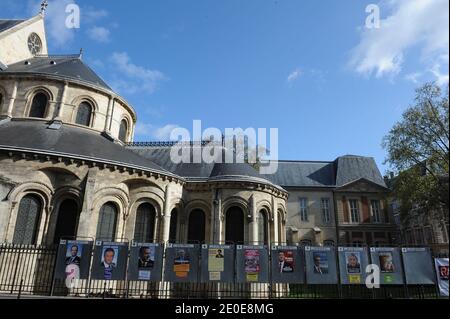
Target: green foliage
x,y
418,151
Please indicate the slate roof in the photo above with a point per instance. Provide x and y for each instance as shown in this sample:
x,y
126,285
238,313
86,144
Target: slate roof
x,y
353,167
304,173
332,174
8,24
195,171
71,141
68,67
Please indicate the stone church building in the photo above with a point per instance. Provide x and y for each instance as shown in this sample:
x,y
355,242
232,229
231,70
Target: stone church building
x,y
69,168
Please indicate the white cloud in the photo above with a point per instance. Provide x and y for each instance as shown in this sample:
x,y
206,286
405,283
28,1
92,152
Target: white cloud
x,y
99,34
90,14
412,23
441,78
413,77
160,133
294,75
138,78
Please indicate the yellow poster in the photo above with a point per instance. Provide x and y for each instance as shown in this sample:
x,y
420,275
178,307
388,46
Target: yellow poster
x,y
354,279
215,260
252,276
181,270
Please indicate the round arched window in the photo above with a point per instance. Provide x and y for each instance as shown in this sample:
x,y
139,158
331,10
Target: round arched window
x,y
84,114
123,131
39,105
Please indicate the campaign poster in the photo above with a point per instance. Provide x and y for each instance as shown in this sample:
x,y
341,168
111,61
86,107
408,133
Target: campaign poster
x,y
252,264
110,259
182,263
389,261
216,262
286,262
74,258
321,265
352,264
145,262
320,261
441,265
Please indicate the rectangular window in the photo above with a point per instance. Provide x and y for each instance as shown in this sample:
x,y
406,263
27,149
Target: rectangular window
x,y
325,206
303,209
354,211
429,238
376,211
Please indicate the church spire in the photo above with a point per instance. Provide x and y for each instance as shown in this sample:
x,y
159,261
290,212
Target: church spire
x,y
44,5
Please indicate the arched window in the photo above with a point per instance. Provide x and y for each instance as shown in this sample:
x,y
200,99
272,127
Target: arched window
x,y
1,101
234,225
27,223
107,220
84,114
145,223
196,227
123,131
66,224
39,105
263,237
173,226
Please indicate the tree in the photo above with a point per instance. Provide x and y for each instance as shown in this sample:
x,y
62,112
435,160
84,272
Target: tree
x,y
418,152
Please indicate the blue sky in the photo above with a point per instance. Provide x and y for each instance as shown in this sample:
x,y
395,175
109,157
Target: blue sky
x,y
309,68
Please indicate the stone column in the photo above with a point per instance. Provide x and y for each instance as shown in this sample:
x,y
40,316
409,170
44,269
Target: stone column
x,y
86,226
63,101
166,216
109,114
218,223
275,239
11,100
253,225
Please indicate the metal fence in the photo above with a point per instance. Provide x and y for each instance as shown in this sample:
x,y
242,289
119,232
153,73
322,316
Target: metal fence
x,y
30,270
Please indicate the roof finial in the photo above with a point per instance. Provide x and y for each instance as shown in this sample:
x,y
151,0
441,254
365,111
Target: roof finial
x,y
81,53
44,5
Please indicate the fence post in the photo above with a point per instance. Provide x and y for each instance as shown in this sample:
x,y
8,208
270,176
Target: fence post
x,y
20,289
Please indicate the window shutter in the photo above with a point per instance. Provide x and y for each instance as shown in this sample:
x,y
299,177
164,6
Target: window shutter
x,y
345,209
365,209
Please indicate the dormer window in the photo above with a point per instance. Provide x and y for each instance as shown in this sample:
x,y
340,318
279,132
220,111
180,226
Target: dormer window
x,y
84,114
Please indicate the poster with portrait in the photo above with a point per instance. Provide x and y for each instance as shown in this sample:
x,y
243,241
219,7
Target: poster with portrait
x,y
217,263
418,266
287,264
389,261
73,259
145,262
182,262
252,263
320,265
441,265
352,264
110,260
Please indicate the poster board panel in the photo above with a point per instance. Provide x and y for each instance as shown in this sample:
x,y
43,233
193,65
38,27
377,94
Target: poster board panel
x,y
110,260
288,265
252,263
217,263
390,264
73,256
418,265
352,265
320,265
145,262
181,263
